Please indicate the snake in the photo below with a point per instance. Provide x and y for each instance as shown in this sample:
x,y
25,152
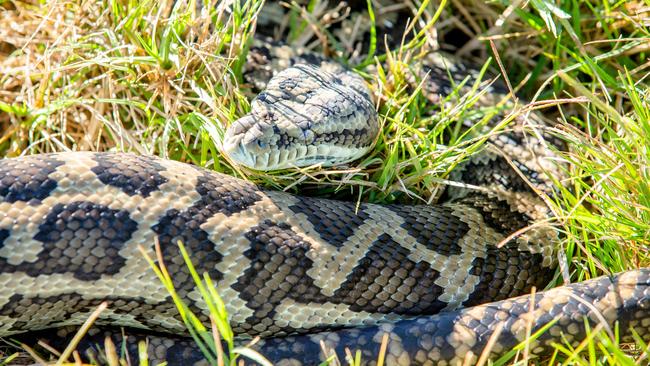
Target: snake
x,y
430,284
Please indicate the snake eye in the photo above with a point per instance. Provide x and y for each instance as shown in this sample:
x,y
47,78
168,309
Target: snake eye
x,y
261,144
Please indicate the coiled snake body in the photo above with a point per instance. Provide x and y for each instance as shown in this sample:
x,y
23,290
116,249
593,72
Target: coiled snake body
x,y
71,224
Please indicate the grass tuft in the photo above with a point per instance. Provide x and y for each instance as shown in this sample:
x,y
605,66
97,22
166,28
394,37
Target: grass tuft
x,y
208,340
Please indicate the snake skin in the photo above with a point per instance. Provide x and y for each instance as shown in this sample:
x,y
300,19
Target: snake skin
x,y
310,269
460,337
71,224
610,303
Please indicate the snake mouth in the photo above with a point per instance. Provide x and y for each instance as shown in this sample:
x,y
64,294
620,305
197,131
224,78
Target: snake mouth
x,y
294,157
238,154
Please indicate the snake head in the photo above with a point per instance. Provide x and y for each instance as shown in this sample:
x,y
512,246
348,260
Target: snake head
x,y
305,116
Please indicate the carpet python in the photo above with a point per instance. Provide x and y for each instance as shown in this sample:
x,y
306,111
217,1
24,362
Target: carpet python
x,y
302,272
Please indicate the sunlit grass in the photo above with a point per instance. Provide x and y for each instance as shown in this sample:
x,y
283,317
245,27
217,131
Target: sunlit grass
x,y
211,340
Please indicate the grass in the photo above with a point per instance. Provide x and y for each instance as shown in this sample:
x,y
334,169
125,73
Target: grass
x,y
209,341
164,79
